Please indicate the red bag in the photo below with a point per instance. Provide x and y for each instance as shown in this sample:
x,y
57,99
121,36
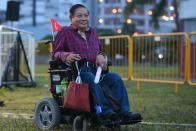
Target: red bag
x,y
77,94
77,97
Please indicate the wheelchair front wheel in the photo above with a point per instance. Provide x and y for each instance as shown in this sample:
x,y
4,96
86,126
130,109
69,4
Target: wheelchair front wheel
x,y
80,123
47,114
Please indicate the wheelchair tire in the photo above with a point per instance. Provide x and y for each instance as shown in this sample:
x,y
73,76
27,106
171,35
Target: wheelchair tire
x,y
47,114
80,123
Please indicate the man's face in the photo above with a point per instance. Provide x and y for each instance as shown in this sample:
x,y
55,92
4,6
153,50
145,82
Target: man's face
x,y
80,18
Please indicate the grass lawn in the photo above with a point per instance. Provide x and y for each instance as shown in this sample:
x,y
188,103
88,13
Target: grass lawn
x,y
156,102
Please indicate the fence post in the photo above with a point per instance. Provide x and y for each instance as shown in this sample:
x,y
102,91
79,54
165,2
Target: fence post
x,y
187,62
138,85
177,88
0,58
130,58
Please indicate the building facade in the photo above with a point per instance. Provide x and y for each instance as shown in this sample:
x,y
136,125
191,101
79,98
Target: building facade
x,y
110,16
187,15
35,15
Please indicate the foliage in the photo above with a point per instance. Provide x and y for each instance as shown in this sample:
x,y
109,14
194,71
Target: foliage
x,y
105,32
42,49
157,11
128,29
156,102
131,6
47,37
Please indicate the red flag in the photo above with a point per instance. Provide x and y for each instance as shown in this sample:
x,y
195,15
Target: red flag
x,y
55,25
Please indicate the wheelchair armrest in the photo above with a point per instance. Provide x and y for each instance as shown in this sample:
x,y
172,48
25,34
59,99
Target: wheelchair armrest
x,y
57,64
79,62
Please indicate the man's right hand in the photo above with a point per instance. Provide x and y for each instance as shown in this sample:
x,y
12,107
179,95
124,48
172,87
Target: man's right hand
x,y
72,57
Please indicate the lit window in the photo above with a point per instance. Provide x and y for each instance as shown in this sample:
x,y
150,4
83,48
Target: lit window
x,y
171,18
119,31
164,17
149,33
129,1
135,34
150,12
119,10
101,20
101,1
129,21
171,8
114,11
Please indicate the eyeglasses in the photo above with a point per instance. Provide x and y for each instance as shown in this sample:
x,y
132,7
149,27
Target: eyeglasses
x,y
81,15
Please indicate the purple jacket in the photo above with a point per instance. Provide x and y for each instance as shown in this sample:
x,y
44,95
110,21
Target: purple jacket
x,y
68,40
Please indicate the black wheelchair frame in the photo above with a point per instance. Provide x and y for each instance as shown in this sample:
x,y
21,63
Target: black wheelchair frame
x,y
49,112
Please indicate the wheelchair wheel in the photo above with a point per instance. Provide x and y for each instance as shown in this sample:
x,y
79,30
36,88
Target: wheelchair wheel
x,y
80,123
47,114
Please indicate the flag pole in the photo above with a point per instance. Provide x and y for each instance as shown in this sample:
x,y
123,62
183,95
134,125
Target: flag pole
x,y
52,31
51,48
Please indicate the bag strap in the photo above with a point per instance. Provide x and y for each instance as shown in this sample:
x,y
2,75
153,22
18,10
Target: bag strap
x,y
76,64
78,79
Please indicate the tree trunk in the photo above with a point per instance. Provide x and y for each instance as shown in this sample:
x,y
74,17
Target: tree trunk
x,y
176,5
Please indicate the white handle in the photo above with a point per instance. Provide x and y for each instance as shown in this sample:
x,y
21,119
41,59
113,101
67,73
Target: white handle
x,y
98,75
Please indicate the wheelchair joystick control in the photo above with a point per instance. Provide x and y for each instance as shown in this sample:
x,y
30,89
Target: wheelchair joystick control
x,y
98,109
98,75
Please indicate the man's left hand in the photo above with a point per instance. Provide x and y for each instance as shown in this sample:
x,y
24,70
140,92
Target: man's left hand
x,y
101,61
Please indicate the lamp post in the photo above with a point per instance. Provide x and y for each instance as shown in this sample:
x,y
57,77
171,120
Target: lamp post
x,y
34,12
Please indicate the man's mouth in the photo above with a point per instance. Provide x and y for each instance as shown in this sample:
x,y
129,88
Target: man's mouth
x,y
83,23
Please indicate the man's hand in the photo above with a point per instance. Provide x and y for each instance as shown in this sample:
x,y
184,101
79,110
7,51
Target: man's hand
x,y
101,61
72,57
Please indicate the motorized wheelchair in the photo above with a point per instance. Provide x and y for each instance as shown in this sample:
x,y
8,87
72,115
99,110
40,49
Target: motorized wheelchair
x,y
49,112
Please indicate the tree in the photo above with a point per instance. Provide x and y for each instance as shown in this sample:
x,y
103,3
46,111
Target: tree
x,y
128,28
105,32
157,11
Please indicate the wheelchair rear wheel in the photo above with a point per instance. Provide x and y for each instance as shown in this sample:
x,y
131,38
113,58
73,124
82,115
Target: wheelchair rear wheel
x,y
47,114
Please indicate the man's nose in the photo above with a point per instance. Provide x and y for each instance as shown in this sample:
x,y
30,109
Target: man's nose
x,y
84,18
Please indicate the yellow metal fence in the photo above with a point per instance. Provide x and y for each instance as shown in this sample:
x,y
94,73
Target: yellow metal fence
x,y
163,58
159,58
192,59
117,49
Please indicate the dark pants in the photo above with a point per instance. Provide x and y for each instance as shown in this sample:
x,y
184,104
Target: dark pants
x,y
114,82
